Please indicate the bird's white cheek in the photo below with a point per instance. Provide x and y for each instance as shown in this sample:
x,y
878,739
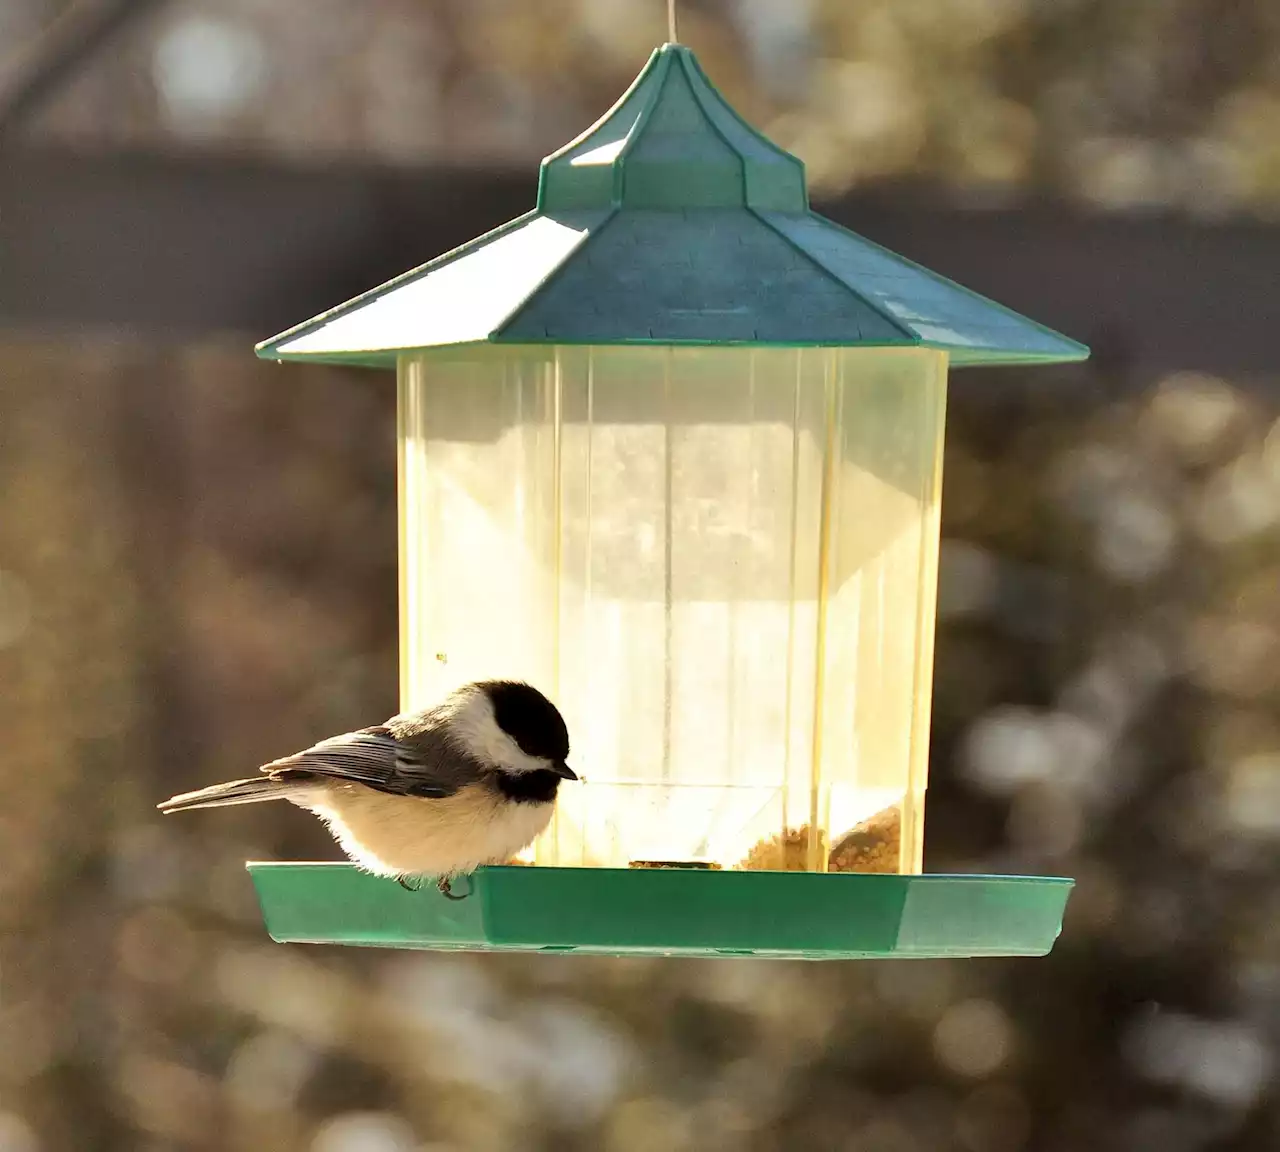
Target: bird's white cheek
x,y
478,731
398,835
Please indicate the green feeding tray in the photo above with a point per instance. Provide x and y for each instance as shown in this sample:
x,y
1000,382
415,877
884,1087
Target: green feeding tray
x,y
671,221
668,912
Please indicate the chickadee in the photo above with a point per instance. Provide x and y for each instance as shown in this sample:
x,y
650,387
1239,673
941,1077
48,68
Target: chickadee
x,y
471,781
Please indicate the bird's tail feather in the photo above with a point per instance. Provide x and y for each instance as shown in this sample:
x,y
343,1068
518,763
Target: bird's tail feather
x,y
251,791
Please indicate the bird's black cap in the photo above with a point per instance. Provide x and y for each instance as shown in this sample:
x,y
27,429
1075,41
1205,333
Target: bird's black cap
x,y
529,718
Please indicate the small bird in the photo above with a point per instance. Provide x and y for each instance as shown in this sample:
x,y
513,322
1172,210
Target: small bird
x,y
471,781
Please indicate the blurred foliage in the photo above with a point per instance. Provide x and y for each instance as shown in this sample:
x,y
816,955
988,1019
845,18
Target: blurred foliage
x,y
197,572
1139,104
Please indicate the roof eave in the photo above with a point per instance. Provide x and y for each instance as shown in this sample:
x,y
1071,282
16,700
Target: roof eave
x,y
959,356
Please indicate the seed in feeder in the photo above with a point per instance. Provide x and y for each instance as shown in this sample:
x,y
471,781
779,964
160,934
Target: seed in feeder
x,y
788,852
872,846
702,865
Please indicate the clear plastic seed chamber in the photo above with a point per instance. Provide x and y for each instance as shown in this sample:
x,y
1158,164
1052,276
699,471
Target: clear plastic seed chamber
x,y
670,449
721,563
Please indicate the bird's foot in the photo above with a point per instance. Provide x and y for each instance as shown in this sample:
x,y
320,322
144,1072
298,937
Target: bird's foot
x,y
447,891
414,884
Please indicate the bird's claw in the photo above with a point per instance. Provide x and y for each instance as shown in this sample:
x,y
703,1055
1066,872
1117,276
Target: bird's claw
x,y
447,891
414,884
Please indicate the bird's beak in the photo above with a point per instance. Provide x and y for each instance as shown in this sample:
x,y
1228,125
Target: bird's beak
x,y
564,771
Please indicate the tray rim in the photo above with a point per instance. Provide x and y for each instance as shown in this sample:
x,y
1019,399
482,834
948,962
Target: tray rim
x,y
555,910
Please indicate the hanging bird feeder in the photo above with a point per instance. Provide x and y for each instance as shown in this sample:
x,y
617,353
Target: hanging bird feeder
x,y
670,449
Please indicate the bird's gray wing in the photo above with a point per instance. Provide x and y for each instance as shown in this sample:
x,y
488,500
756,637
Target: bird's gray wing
x,y
426,766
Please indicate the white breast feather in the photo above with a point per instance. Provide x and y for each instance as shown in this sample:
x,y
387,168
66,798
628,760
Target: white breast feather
x,y
410,836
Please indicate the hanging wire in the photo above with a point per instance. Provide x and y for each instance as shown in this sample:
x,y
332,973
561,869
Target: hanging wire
x,y
672,38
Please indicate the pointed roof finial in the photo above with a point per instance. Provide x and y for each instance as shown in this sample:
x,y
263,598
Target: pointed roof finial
x,y
672,141
672,37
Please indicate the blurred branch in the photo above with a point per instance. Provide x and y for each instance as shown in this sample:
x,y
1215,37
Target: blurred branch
x,y
67,45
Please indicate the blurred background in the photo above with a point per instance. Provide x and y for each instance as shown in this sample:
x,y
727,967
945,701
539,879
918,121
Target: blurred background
x,y
197,573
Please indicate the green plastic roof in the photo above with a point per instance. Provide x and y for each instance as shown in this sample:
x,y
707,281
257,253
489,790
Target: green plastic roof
x,y
671,221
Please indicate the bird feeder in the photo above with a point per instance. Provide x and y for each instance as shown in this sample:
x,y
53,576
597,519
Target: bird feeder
x,y
670,449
